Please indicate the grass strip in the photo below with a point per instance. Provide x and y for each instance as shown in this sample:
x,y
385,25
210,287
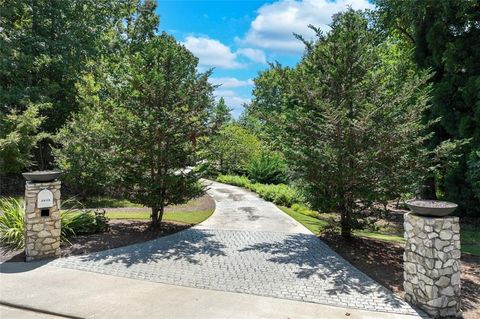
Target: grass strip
x,y
194,217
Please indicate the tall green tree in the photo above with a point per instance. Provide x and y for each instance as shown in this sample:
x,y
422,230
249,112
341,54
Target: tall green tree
x,y
230,150
45,47
86,151
265,115
353,121
19,134
221,115
164,99
445,37
84,147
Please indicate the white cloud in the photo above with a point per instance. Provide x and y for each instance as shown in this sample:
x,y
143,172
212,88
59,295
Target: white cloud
x,y
231,82
275,23
212,53
253,54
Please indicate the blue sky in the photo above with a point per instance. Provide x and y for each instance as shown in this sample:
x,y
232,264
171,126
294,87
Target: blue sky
x,y
238,37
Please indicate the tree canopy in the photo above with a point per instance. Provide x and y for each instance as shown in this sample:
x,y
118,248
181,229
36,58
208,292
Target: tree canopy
x,y
385,105
350,118
445,38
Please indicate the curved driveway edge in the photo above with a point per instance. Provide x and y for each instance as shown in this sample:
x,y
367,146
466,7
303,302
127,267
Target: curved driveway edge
x,y
239,209
248,246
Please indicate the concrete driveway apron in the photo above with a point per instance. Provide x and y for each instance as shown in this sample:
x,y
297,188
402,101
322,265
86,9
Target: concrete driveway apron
x,y
247,246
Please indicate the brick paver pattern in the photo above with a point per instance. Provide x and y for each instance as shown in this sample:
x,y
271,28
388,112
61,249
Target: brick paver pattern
x,y
290,266
295,266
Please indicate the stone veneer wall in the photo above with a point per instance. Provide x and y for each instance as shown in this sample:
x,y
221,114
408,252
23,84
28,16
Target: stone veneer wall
x,y
42,238
432,264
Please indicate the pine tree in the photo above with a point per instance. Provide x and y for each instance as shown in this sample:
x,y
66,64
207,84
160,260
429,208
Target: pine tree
x,y
221,115
164,100
354,130
445,37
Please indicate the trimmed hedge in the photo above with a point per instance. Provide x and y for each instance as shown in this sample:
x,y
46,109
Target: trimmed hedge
x,y
280,194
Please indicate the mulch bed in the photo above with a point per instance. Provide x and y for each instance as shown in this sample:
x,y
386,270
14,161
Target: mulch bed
x,y
121,233
383,262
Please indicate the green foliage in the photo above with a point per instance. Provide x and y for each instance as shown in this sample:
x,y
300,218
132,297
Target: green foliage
x,y
280,194
302,209
19,135
265,115
85,151
349,116
445,38
12,228
221,115
100,202
44,46
230,150
83,222
268,168
163,102
235,180
140,111
73,221
474,173
470,236
312,223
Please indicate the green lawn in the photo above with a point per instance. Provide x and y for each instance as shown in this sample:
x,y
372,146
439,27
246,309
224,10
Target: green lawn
x,y
470,236
380,236
102,201
313,224
182,217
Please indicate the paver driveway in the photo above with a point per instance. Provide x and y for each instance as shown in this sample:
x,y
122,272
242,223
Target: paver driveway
x,y
247,246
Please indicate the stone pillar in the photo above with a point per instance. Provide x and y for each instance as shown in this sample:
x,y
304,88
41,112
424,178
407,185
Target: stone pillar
x,y
42,220
432,264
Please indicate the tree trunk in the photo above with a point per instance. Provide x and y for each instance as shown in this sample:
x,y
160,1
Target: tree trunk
x,y
428,189
157,216
155,224
345,223
160,214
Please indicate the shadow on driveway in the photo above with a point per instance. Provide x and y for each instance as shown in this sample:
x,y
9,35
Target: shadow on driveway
x,y
190,245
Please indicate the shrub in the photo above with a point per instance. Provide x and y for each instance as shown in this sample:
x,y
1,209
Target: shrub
x,y
11,223
302,209
230,150
267,168
235,180
280,194
84,222
74,222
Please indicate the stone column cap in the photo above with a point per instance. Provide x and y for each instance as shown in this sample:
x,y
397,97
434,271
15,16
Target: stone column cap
x,y
30,184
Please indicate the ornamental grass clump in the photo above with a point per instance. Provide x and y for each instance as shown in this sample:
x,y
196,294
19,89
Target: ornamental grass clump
x,y
74,222
12,223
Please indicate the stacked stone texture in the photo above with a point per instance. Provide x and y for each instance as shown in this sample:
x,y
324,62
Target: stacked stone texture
x,y
42,238
432,264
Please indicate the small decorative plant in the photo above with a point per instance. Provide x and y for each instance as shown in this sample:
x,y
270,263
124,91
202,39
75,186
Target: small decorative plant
x,y
74,222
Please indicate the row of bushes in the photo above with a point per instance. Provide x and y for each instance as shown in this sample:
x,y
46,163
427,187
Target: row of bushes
x,y
280,194
74,222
